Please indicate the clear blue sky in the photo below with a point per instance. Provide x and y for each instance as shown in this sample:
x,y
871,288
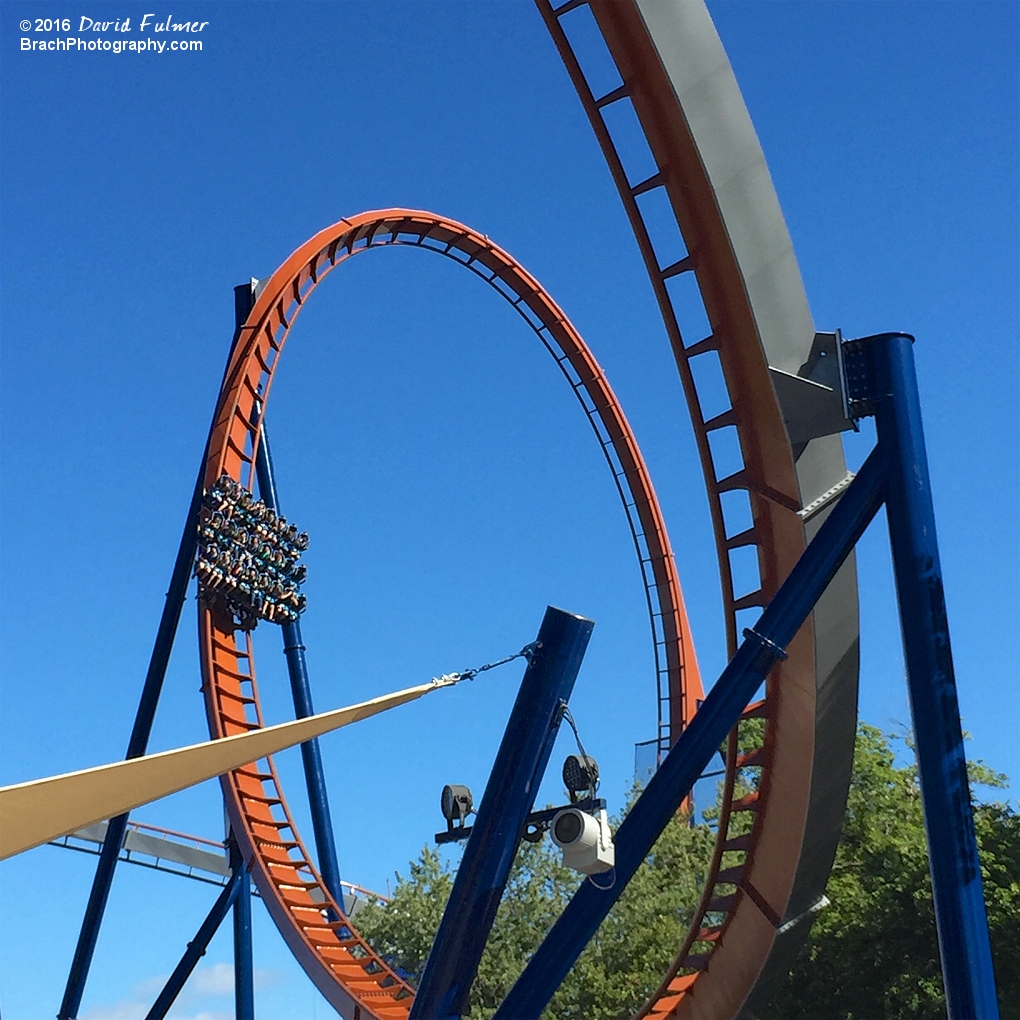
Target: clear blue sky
x,y
421,435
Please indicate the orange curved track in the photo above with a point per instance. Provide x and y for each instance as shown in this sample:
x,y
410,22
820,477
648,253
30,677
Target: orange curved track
x,y
340,963
768,788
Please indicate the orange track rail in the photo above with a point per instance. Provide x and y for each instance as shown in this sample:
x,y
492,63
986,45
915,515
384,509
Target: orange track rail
x,y
751,874
340,963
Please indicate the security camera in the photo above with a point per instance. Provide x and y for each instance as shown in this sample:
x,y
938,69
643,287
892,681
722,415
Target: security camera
x,y
585,840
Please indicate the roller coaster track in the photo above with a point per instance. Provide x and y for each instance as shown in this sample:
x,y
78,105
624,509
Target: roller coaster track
x,y
788,759
675,82
773,469
342,965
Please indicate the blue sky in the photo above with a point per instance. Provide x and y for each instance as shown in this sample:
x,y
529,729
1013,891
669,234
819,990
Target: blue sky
x,y
421,435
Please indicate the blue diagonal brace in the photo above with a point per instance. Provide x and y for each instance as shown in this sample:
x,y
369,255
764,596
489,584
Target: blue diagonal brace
x,y
144,717
659,801
509,797
197,947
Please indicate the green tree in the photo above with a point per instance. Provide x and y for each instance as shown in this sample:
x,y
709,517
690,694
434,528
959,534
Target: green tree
x,y
621,965
872,954
402,930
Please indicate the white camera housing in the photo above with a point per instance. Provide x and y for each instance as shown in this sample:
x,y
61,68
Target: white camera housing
x,y
585,840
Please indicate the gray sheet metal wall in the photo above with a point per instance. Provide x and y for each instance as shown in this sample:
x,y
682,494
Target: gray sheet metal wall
x,y
707,92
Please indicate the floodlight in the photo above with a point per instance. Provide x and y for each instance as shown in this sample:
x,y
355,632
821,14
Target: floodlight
x,y
580,774
455,804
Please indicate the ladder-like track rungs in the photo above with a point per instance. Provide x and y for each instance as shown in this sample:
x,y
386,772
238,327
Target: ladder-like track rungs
x,y
748,803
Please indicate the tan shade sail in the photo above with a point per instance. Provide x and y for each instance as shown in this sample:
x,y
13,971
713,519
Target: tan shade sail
x,y
34,813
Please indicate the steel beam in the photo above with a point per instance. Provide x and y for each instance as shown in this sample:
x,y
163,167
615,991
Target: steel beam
x,y
509,797
942,764
244,971
137,745
301,690
763,646
146,713
197,947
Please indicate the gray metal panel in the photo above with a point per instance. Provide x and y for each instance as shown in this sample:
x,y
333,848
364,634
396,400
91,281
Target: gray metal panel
x,y
693,58
837,663
814,400
178,853
699,70
92,833
353,903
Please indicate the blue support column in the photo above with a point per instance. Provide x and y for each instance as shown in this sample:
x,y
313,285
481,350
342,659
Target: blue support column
x,y
137,745
197,947
509,797
244,972
762,648
942,765
301,689
139,741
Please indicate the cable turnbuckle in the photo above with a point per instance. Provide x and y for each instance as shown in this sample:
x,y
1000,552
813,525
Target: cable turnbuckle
x,y
448,679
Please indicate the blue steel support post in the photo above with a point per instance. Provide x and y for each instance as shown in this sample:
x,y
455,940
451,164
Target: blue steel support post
x,y
244,973
942,765
763,646
139,741
509,797
294,650
103,880
197,947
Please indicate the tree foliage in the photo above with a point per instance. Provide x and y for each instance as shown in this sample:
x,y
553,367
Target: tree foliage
x,y
872,954
621,965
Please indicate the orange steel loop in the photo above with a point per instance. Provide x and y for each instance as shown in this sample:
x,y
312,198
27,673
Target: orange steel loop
x,y
751,876
340,963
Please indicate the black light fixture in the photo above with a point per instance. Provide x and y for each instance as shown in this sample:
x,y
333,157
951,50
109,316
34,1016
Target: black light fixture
x,y
456,804
580,775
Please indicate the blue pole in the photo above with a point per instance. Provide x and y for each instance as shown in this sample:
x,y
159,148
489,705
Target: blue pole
x,y
301,689
509,797
760,650
197,947
244,973
139,741
114,838
942,765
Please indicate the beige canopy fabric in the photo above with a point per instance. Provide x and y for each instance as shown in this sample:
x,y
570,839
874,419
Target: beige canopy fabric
x,y
34,813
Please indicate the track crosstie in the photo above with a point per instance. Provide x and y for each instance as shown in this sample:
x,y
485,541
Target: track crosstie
x,y
341,964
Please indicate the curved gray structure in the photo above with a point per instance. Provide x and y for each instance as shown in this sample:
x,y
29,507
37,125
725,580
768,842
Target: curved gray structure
x,y
787,410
